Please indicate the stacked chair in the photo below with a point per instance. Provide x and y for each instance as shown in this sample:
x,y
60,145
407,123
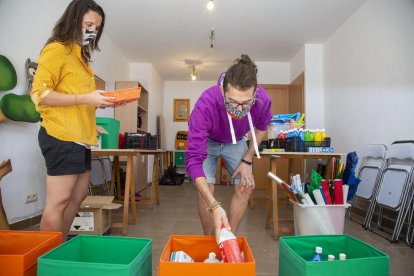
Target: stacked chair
x,y
410,221
395,190
370,170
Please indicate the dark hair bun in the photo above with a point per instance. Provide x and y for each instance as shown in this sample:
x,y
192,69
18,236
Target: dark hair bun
x,y
243,59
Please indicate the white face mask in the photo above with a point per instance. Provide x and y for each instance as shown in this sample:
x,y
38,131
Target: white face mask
x,y
88,36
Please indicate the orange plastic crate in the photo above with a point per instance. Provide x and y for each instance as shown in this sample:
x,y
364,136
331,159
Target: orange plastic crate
x,y
126,95
19,250
198,248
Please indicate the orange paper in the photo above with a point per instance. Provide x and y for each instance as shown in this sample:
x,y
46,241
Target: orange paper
x,y
124,95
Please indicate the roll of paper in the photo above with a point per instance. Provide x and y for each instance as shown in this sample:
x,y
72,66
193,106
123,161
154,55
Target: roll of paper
x,y
308,199
345,189
318,197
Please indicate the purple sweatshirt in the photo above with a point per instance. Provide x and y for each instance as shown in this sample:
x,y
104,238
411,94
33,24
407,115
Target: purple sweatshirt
x,y
209,120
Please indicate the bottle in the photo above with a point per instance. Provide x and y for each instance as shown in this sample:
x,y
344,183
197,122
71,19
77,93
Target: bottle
x,y
342,256
323,134
211,258
229,247
331,257
311,135
317,257
317,137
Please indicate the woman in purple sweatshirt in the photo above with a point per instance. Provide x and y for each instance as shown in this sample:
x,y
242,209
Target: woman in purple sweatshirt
x,y
219,122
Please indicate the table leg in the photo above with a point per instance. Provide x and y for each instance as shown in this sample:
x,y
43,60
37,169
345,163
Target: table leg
x,y
132,192
328,168
274,201
128,184
156,178
115,177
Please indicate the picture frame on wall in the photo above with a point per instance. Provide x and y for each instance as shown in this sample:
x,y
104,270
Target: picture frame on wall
x,y
181,110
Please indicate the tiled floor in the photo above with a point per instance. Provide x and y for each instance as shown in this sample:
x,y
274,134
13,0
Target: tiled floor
x,y
177,214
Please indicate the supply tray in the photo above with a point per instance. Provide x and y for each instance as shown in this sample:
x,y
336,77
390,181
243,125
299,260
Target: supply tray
x,y
295,144
140,141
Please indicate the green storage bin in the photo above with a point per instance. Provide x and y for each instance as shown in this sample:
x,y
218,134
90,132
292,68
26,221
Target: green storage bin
x,y
110,140
179,158
98,255
362,258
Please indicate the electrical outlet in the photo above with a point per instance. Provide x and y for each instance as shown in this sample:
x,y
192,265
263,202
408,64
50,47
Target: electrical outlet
x,y
29,198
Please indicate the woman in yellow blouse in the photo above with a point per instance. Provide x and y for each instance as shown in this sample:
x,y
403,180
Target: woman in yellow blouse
x,y
65,96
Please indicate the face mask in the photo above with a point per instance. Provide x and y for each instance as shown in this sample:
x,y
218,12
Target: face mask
x,y
235,113
88,36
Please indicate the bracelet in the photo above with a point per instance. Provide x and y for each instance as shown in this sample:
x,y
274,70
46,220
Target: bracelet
x,y
247,162
213,206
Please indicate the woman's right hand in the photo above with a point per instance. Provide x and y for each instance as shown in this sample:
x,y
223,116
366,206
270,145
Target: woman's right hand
x,y
220,218
96,99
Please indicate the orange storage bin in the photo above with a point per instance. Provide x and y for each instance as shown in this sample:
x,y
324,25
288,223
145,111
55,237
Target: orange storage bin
x,y
198,248
19,250
126,95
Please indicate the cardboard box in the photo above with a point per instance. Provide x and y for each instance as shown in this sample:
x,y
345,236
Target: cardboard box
x,y
198,247
94,216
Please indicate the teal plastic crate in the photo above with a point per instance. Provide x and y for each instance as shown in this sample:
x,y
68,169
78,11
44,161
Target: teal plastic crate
x,y
361,258
99,255
110,140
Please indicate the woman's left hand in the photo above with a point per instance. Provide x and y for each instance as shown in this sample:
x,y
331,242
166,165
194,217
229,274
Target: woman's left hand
x,y
246,176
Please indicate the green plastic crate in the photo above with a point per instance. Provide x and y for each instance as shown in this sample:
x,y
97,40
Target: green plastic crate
x,y
110,140
99,255
362,259
179,158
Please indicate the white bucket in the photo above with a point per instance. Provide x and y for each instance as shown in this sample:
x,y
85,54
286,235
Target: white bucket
x,y
319,219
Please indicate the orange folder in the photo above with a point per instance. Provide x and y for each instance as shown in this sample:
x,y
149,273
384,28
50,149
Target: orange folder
x,y
124,95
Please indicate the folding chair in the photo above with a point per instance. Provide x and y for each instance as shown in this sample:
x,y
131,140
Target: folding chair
x,y
395,189
372,165
97,178
409,238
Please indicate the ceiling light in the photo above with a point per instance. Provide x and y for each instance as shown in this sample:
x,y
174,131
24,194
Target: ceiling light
x,y
193,74
210,5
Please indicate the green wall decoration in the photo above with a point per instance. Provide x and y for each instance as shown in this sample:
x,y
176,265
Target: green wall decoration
x,y
8,76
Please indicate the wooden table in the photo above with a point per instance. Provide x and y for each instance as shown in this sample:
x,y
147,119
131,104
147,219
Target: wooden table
x,y
129,180
285,225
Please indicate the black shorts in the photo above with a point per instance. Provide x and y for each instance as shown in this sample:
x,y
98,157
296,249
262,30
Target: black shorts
x,y
63,158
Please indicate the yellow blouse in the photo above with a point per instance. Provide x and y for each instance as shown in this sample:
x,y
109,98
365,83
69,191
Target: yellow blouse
x,y
61,69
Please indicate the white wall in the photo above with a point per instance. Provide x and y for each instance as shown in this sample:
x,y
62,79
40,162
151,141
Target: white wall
x,y
369,76
297,64
151,80
273,72
26,27
180,90
314,91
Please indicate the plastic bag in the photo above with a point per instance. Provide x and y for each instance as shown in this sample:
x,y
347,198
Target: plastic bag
x,y
348,176
171,177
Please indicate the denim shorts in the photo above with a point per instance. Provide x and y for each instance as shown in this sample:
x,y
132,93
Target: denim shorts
x,y
231,154
63,158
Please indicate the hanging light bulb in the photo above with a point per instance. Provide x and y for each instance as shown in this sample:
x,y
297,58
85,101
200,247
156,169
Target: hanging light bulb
x,y
193,74
210,5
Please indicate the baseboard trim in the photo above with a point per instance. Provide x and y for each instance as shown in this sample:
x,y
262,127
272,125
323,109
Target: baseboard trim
x,y
26,223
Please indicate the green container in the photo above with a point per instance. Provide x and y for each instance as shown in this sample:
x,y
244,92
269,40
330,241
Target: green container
x,y
295,253
98,255
179,158
110,140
